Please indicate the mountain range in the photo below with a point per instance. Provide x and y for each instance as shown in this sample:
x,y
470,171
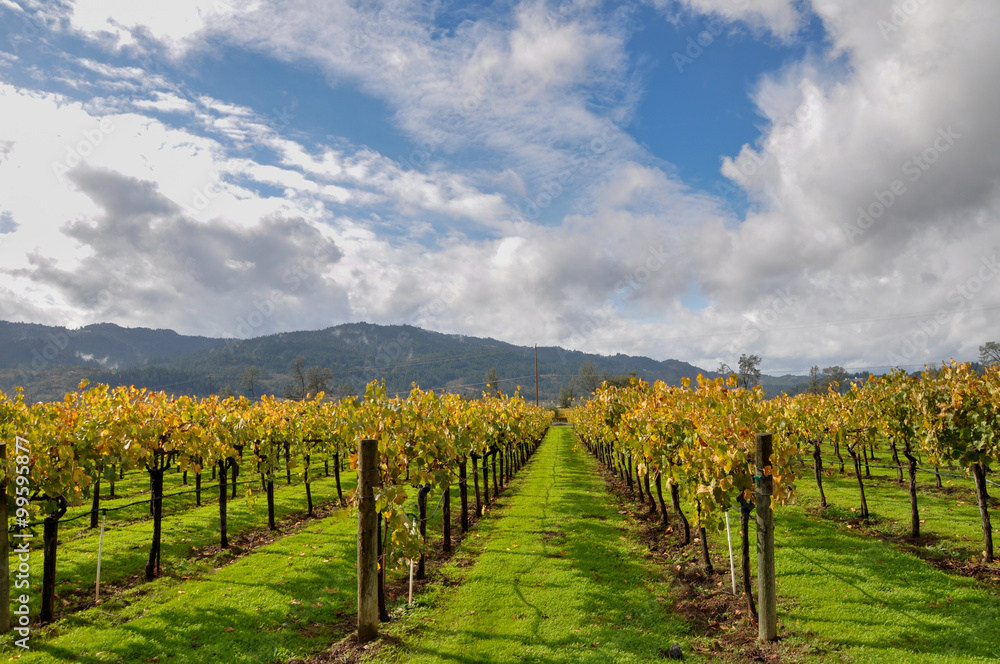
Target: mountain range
x,y
49,361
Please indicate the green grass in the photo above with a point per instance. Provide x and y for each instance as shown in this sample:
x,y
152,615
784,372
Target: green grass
x,y
848,596
552,575
952,518
186,532
134,488
289,598
853,598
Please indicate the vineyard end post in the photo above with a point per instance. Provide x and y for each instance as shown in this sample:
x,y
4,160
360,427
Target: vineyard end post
x,y
367,542
766,592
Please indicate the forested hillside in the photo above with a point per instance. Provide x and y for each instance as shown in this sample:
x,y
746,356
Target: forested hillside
x,y
47,361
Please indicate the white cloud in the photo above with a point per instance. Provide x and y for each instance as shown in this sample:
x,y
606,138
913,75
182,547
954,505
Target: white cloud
x,y
911,97
56,256
639,263
780,17
125,22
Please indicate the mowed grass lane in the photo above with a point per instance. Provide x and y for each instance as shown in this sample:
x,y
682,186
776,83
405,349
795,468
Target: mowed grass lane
x,y
187,530
289,598
852,597
550,575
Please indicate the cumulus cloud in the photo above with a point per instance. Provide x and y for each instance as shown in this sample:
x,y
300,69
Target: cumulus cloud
x,y
877,191
147,261
870,237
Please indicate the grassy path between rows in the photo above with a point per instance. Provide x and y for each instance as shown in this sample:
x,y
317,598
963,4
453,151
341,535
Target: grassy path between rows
x,y
552,574
877,603
847,596
950,519
185,533
285,599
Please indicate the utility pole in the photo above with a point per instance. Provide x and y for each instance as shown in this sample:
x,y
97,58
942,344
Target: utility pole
x,y
209,386
536,375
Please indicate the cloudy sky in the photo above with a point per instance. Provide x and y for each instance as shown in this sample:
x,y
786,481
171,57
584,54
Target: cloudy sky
x,y
815,181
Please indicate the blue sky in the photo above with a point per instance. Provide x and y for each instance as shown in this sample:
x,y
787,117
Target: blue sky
x,y
676,178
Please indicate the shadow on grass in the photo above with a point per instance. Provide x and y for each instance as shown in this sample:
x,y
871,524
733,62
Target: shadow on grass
x,y
126,547
864,593
576,592
263,608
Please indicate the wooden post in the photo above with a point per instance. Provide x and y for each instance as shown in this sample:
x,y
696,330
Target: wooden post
x,y
422,512
96,503
153,563
475,479
223,540
336,472
818,467
463,492
767,598
979,473
383,545
288,463
367,542
50,537
50,534
235,466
